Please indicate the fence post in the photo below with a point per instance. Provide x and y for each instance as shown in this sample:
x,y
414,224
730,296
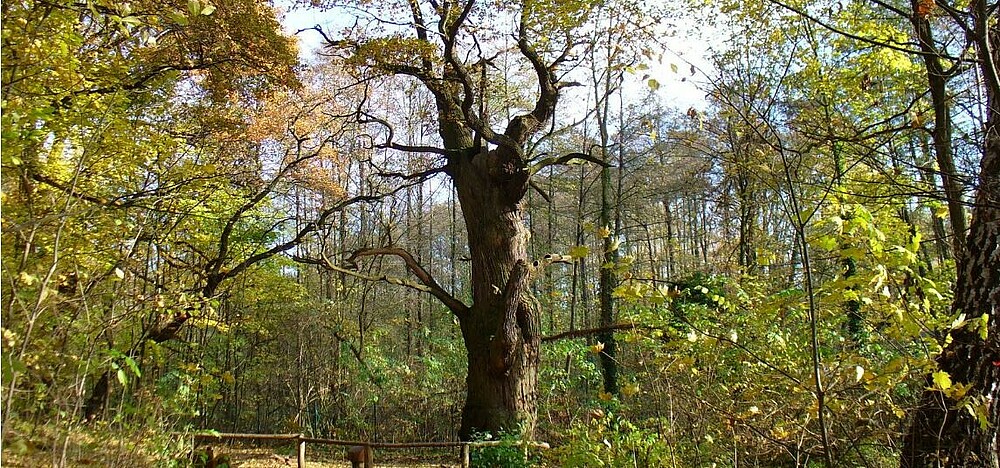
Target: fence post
x,y
301,462
465,455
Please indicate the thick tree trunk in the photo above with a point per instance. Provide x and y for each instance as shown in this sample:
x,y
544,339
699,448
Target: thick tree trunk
x,y
942,431
501,329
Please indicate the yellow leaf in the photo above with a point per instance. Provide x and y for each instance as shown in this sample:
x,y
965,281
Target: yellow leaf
x,y
615,244
631,292
604,232
779,432
27,279
605,396
579,251
958,391
859,373
942,381
597,348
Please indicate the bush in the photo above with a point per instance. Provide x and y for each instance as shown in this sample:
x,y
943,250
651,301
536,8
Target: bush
x,y
612,441
510,454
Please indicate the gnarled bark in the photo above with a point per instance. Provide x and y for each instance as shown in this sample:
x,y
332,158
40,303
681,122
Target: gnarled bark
x,y
501,328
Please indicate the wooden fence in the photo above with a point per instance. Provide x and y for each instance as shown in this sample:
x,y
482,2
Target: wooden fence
x,y
301,441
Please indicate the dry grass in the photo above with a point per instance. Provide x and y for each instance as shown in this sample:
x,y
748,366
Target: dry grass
x,y
263,458
29,446
46,446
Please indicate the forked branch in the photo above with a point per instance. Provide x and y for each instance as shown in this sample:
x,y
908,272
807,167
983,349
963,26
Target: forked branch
x,y
426,281
566,159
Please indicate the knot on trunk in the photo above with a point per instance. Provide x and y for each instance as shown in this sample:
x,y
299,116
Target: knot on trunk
x,y
503,354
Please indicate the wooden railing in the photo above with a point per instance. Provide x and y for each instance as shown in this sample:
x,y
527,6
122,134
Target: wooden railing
x,y
301,441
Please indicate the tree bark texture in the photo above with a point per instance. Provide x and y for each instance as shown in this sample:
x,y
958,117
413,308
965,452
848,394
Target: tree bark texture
x,y
501,329
942,432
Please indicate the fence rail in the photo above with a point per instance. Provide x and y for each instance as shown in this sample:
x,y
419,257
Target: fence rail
x,y
302,440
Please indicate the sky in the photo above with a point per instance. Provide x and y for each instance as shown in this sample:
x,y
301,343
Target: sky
x,y
678,87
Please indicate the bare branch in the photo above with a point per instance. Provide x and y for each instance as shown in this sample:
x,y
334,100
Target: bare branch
x,y
523,126
596,331
311,227
427,283
549,259
450,32
541,192
227,231
367,118
566,159
327,264
422,175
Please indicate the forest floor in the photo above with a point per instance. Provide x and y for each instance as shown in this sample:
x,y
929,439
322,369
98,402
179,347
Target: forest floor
x,y
42,447
238,459
258,458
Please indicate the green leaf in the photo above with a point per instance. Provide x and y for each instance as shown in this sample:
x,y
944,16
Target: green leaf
x,y
131,20
673,67
959,322
178,18
133,366
194,7
10,366
653,84
122,378
208,10
26,278
828,243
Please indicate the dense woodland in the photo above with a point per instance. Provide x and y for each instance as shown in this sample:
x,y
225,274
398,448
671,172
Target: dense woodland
x,y
459,219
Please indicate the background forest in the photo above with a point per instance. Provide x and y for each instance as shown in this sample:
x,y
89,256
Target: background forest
x,y
206,228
